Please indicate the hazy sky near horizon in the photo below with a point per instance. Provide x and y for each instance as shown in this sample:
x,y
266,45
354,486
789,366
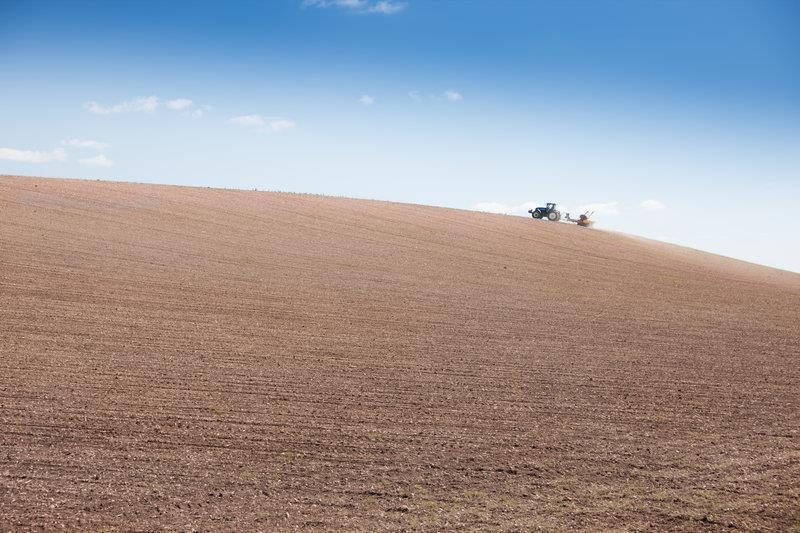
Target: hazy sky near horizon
x,y
674,120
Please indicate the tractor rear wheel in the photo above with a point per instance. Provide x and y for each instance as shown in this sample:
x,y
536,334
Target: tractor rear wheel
x,y
554,216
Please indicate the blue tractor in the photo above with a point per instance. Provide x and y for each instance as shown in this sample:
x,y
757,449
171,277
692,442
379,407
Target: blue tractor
x,y
548,213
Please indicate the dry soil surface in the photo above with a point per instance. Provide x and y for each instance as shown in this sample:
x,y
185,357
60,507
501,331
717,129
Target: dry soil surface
x,y
189,358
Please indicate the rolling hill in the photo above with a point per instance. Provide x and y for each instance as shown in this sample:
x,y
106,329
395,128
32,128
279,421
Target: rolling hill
x,y
193,358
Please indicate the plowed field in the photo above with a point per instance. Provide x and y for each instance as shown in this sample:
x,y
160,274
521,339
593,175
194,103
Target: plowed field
x,y
188,358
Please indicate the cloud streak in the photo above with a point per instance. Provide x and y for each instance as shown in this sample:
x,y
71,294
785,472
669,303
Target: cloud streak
x,y
247,120
653,205
449,95
197,112
608,208
366,100
381,7
33,156
96,161
281,124
275,125
146,104
85,143
179,104
386,7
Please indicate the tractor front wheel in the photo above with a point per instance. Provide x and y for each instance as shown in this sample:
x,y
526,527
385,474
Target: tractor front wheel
x,y
536,214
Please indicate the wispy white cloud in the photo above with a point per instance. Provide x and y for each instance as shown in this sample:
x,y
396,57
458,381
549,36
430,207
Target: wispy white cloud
x,y
179,104
97,109
85,143
608,208
146,104
345,4
33,156
97,161
450,95
281,124
275,125
198,112
653,205
386,7
383,7
247,120
366,100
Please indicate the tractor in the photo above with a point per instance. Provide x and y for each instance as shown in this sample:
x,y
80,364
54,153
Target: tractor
x,y
548,212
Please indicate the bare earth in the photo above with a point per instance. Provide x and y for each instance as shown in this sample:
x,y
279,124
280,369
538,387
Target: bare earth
x,y
189,358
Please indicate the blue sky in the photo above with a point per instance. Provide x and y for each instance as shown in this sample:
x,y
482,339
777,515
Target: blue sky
x,y
674,120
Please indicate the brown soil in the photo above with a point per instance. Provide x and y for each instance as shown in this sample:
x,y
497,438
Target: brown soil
x,y
188,358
